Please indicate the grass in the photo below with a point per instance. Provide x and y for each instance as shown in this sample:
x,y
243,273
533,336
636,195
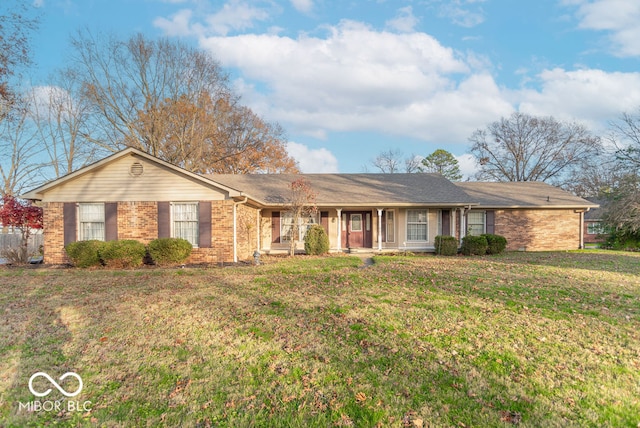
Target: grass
x,y
534,339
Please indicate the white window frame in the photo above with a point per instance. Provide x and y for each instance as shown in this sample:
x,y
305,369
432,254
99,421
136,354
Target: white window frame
x,y
471,231
195,233
86,221
304,223
387,220
596,228
424,224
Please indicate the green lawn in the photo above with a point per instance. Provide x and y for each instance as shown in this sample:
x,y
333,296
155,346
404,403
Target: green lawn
x,y
533,339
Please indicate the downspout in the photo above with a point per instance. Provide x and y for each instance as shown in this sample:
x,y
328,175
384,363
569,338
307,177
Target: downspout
x,y
235,228
379,229
582,228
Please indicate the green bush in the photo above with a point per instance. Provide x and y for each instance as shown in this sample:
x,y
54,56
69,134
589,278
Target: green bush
x,y
446,245
84,253
169,251
474,245
496,243
122,254
316,241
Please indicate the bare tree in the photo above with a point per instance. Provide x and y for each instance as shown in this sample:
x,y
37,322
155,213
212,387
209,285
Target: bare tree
x,y
174,102
63,125
301,203
529,148
19,146
15,27
392,161
625,136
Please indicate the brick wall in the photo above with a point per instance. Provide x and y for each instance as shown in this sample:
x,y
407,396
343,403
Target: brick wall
x,y
53,231
539,230
139,221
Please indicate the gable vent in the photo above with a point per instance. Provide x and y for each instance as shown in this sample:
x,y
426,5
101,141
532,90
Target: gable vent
x,y
136,169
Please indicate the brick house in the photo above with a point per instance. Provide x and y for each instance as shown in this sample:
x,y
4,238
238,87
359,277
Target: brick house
x,y
133,195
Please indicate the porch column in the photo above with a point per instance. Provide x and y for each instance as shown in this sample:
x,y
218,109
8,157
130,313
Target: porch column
x,y
463,227
339,211
379,229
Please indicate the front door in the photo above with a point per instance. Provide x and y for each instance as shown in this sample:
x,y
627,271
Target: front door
x,y
356,229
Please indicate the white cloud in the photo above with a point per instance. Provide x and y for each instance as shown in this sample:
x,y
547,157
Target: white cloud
x,y
304,6
462,13
404,22
357,78
178,25
312,160
591,96
617,17
467,164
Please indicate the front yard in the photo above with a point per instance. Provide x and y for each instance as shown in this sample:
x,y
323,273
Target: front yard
x,y
533,339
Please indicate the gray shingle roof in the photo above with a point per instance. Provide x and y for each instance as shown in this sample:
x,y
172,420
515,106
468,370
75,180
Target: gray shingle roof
x,y
352,189
522,194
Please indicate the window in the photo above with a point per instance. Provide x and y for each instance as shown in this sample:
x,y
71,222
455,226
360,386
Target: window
x,y
185,221
91,222
390,225
417,225
475,223
596,228
286,225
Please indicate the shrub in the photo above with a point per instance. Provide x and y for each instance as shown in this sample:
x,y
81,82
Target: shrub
x,y
84,253
122,254
446,245
316,241
169,251
496,243
474,245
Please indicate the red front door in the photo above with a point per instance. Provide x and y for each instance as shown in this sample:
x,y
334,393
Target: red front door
x,y
356,229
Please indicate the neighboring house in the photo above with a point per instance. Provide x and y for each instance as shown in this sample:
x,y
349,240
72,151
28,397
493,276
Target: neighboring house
x,y
133,195
594,232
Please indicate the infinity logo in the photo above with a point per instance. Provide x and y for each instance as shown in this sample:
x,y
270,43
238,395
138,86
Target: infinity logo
x,y
54,383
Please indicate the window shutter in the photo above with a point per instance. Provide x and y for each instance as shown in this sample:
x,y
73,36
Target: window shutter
x,y
204,224
384,226
275,227
446,222
70,224
111,221
324,220
164,220
491,222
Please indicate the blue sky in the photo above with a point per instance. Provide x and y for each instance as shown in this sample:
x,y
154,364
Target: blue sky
x,y
349,79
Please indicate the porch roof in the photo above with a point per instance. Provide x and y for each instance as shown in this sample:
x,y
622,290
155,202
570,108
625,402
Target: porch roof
x,y
522,194
350,190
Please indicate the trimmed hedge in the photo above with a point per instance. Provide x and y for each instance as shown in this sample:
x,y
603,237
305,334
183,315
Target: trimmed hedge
x,y
169,251
85,253
474,245
316,241
122,254
496,243
446,245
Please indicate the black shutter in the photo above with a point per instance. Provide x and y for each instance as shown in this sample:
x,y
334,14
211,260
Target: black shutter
x,y
275,227
111,221
491,222
164,220
70,223
204,224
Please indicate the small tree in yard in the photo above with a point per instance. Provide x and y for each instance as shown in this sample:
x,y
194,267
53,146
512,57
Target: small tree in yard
x,y
21,215
301,203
